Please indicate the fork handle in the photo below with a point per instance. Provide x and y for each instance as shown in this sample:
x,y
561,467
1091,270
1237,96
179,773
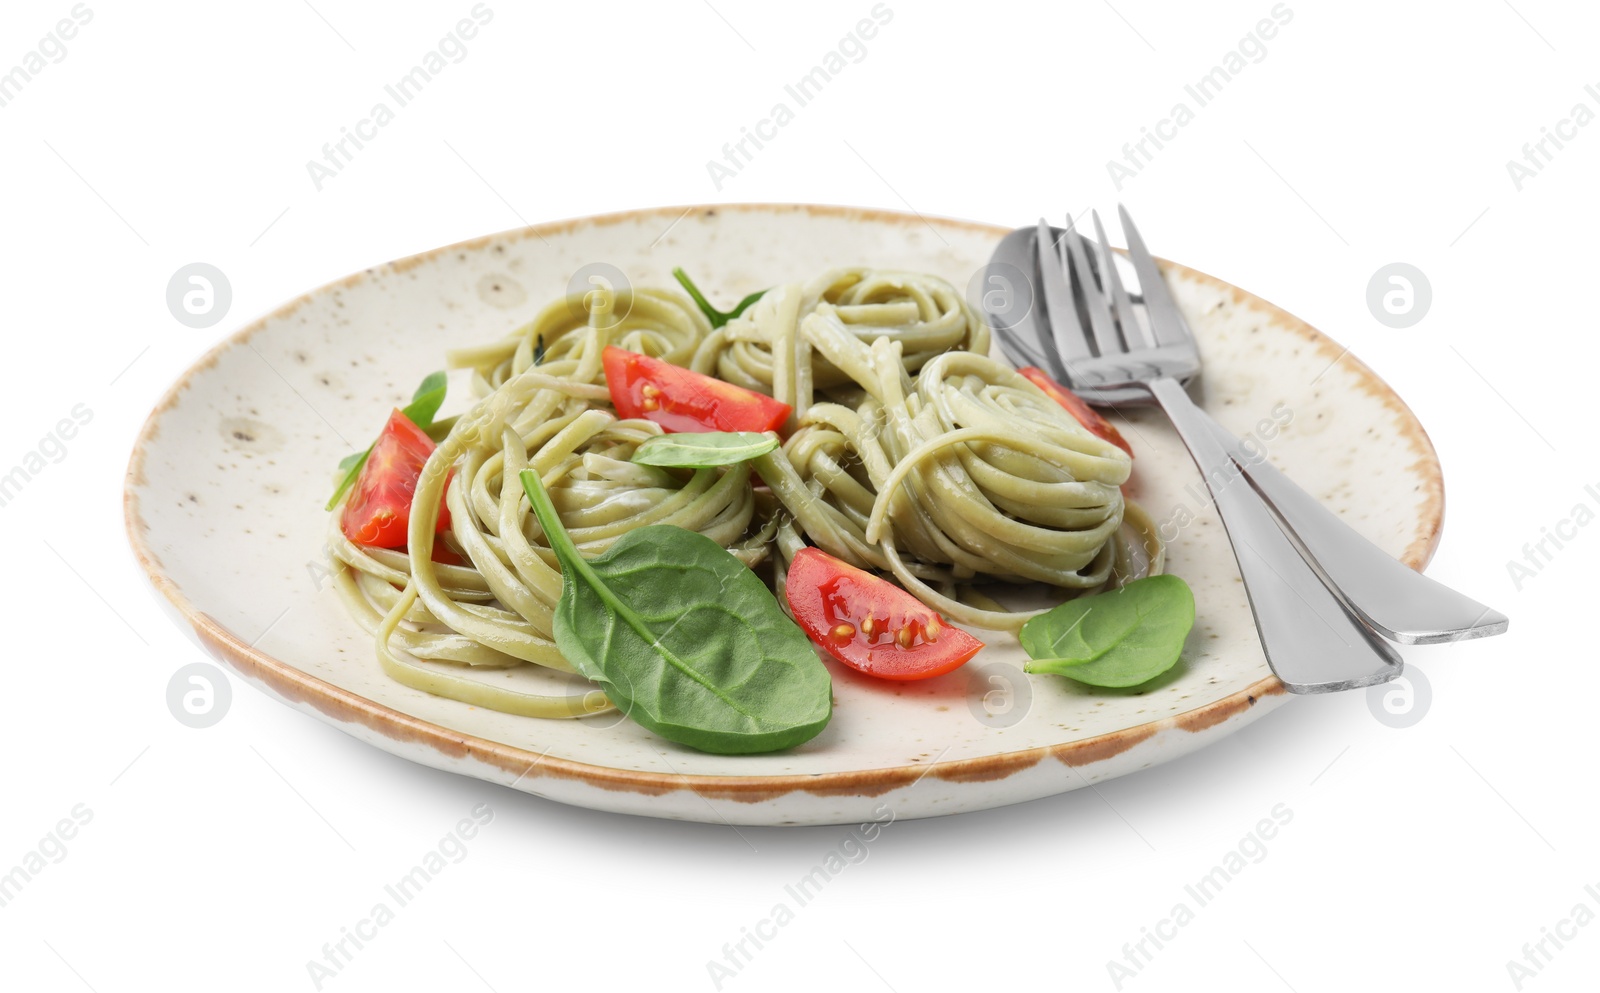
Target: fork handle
x,y
1313,643
1399,602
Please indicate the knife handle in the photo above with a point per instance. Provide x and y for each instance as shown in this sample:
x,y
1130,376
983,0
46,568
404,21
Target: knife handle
x,y
1311,641
1400,603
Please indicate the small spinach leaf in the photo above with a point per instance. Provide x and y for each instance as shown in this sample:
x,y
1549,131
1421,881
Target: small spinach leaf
x,y
425,403
1123,637
684,638
704,449
422,409
715,316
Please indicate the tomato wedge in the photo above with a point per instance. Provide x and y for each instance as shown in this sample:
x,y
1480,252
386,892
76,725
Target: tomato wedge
x,y
378,511
1086,415
680,399
871,624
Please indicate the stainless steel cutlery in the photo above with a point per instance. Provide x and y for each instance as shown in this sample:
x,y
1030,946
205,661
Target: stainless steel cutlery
x,y
1325,599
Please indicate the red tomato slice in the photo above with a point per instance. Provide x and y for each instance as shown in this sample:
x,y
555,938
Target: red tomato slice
x,y
871,624
680,399
1086,415
378,511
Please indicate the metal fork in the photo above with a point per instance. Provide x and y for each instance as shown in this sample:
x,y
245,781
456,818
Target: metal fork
x,y
1320,592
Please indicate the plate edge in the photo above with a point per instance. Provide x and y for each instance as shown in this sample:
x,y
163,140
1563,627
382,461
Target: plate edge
x,y
344,705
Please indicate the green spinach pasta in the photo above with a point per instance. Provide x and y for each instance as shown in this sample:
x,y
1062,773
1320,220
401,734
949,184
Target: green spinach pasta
x,y
908,452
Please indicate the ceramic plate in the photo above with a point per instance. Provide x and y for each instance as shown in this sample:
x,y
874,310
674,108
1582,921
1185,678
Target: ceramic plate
x,y
227,482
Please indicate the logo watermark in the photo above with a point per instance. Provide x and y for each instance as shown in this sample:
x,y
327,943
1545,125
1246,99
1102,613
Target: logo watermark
x,y
199,295
1399,295
199,695
999,694
1403,701
1002,293
590,278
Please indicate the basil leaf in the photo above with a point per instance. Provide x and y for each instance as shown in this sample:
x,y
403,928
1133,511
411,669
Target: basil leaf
x,y
538,350
704,449
684,639
438,429
422,409
425,403
1123,637
350,476
715,316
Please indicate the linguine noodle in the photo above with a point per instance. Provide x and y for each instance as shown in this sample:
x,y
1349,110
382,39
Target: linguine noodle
x,y
910,452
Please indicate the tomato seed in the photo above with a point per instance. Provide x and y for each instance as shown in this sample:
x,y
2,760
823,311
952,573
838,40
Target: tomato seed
x,y
844,631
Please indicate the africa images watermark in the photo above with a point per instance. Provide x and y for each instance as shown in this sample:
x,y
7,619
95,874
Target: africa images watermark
x,y
1198,494
52,448
51,50
1251,850
852,47
851,851
1536,955
51,850
451,850
1538,154
452,48
1252,49
1553,538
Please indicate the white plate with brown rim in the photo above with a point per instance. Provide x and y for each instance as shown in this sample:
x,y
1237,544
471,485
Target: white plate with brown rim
x,y
228,478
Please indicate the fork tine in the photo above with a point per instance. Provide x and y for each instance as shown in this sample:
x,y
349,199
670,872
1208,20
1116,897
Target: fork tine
x,y
1134,334
1167,325
1094,300
1060,310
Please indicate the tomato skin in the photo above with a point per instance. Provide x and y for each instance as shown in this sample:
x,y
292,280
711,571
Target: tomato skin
x,y
1074,405
378,511
827,595
681,399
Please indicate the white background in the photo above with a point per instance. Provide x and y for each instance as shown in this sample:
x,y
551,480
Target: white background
x,y
1370,133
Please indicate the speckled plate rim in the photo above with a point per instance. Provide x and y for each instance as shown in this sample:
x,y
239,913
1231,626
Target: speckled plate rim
x,y
344,706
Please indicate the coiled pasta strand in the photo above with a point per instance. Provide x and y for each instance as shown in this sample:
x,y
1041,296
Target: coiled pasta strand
x,y
910,452
554,417
967,471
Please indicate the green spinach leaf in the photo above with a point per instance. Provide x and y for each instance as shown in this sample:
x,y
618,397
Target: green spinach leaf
x,y
422,409
1122,637
425,403
704,449
715,316
685,639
